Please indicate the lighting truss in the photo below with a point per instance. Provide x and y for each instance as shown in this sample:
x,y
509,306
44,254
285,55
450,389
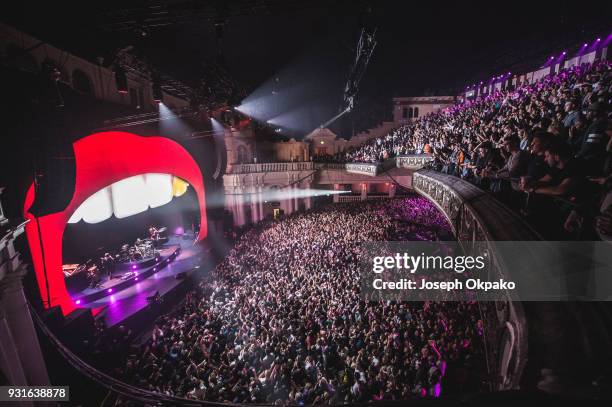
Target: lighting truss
x,y
365,49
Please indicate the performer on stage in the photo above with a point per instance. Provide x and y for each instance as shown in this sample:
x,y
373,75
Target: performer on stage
x,y
108,264
153,233
158,235
93,274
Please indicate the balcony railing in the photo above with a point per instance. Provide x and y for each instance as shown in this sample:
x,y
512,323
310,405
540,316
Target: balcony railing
x,y
330,166
478,218
364,169
413,162
357,198
349,198
271,167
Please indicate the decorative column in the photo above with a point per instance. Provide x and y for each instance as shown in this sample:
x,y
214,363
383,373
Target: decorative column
x,y
240,206
336,196
289,199
296,197
283,207
391,190
289,192
254,205
308,199
364,191
232,205
260,199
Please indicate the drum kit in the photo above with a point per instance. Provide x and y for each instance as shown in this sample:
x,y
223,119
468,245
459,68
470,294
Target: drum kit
x,y
141,249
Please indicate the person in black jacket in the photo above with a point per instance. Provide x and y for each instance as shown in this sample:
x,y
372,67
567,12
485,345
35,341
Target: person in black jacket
x,y
595,139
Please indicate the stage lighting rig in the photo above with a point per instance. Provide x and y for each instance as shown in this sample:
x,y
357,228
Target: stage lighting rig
x,y
127,60
158,95
217,88
365,49
160,14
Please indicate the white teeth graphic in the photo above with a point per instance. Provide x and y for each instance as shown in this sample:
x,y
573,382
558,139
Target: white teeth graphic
x,y
159,189
77,215
97,207
130,196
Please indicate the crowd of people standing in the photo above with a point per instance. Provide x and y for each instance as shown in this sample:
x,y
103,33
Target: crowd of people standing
x,y
281,319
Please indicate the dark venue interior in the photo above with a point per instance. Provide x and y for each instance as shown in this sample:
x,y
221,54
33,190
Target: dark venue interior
x,y
266,202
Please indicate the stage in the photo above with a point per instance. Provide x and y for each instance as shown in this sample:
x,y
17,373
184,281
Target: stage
x,y
119,300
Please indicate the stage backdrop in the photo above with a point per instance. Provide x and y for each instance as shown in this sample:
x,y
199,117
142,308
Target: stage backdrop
x,y
84,240
103,159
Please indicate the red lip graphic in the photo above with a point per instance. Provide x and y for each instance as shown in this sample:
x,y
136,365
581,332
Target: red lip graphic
x,y
101,160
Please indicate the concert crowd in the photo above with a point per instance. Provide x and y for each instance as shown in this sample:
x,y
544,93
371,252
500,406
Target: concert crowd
x,y
543,148
281,320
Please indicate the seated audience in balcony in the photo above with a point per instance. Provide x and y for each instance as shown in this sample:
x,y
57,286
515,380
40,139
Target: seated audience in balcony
x,y
595,139
515,166
516,159
565,175
573,114
566,114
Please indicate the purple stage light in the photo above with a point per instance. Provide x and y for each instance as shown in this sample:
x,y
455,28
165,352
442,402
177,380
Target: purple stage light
x,y
110,290
133,267
136,279
598,39
78,302
585,45
154,268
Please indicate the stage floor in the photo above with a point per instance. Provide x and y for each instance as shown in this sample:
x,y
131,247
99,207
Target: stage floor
x,y
117,307
106,283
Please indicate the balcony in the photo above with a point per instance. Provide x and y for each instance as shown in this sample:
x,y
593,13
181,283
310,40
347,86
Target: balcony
x,y
477,218
271,167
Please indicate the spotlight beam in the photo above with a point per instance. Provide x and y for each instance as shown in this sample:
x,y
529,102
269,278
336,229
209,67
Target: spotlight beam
x,y
336,117
171,124
289,193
